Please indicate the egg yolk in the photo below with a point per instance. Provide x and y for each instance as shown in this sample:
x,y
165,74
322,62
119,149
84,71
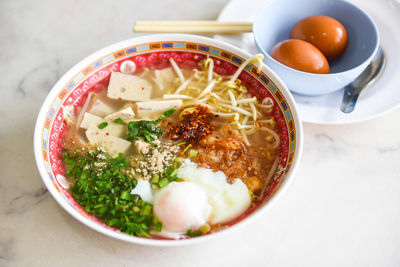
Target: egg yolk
x,y
300,55
325,33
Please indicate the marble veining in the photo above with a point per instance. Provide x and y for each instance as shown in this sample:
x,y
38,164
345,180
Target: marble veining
x,y
341,209
7,253
388,149
26,200
41,77
327,147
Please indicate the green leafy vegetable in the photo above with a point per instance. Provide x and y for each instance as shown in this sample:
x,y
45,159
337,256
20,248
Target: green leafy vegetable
x,y
103,125
103,189
149,130
165,115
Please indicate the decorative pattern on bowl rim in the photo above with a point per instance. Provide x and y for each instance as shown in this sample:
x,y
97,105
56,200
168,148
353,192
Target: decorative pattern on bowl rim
x,y
97,74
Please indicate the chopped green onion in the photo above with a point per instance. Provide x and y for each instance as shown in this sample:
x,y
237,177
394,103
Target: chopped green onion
x,y
103,189
119,121
181,143
176,179
187,148
136,209
158,226
192,234
173,173
155,178
125,195
163,182
135,198
102,125
122,207
179,160
193,153
146,210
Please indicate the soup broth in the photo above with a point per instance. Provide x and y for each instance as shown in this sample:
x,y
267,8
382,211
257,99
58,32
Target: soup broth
x,y
172,152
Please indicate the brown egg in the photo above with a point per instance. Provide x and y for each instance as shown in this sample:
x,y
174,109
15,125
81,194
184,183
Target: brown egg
x,y
300,55
325,33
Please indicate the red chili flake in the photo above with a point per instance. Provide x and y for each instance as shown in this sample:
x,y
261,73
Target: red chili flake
x,y
107,133
119,99
193,126
142,88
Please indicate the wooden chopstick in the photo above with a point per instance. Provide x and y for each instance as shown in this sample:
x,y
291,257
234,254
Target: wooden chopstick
x,y
193,27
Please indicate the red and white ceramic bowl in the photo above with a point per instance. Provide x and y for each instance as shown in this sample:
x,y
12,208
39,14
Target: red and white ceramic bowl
x,y
92,74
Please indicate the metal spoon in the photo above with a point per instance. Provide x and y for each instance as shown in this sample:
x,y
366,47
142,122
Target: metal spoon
x,y
353,90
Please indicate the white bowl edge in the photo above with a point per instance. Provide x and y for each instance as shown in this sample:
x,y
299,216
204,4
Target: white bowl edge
x,y
143,39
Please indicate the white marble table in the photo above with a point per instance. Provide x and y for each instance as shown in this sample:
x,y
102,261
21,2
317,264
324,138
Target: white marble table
x,y
342,208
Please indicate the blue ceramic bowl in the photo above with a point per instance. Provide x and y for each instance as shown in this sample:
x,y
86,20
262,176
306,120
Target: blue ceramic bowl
x,y
275,21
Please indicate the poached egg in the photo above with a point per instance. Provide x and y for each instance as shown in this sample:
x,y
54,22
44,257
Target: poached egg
x,y
205,196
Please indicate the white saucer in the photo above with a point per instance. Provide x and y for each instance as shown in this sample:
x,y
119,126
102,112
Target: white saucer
x,y
376,100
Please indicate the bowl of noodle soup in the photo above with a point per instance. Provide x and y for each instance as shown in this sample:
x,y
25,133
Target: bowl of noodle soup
x,y
168,139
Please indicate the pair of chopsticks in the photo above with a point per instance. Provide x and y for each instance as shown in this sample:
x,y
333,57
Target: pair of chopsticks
x,y
213,27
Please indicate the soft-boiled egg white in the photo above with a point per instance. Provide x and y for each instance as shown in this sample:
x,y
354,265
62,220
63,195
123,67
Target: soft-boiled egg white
x,y
143,189
205,196
182,206
227,200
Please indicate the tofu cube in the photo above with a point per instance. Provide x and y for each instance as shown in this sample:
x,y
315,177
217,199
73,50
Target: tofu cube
x,y
165,78
128,87
90,119
125,114
151,107
112,144
112,128
101,108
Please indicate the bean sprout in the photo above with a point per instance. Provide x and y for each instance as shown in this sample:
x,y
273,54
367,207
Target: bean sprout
x,y
253,109
209,63
247,100
232,97
273,134
177,69
176,96
257,58
207,90
183,85
240,110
